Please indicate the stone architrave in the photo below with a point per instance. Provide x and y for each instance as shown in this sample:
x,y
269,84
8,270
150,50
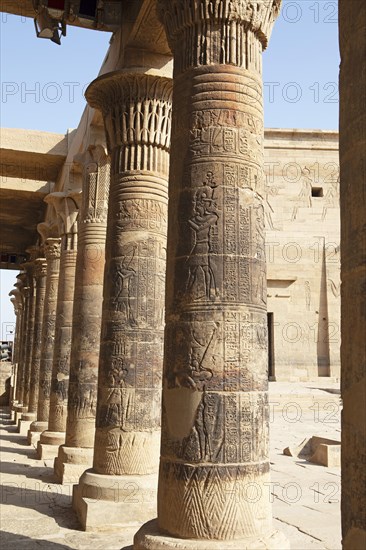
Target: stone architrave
x,y
66,205
352,147
136,108
52,250
77,454
40,271
214,489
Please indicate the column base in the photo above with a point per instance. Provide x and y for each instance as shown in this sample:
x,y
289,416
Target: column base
x,y
48,444
23,426
111,502
149,537
35,430
19,411
29,416
71,463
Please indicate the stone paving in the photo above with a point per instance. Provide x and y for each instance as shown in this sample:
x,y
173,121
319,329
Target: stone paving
x,y
36,512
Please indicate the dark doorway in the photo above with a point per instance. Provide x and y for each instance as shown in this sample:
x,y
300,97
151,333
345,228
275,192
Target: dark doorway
x,y
271,365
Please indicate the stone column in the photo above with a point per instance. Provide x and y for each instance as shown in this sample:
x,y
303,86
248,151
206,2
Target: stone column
x,y
17,303
77,454
29,268
66,205
214,488
24,290
40,270
352,146
52,250
136,110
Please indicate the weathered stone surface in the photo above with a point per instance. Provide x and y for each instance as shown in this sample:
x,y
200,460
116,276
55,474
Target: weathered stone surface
x,y
66,206
87,310
215,382
318,450
111,502
352,147
128,406
52,253
149,537
40,271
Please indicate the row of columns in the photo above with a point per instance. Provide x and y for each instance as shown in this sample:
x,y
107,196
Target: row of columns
x,y
99,370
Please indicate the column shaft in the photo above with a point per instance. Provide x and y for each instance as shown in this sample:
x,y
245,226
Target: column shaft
x,y
88,306
77,453
66,205
52,253
136,110
40,277
352,147
214,441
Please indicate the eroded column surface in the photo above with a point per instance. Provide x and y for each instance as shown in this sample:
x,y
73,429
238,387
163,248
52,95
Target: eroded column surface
x,y
22,285
40,270
352,147
214,449
29,268
67,206
17,300
136,110
77,453
52,250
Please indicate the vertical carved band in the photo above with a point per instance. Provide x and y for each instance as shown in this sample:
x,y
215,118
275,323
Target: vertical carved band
x,y
137,111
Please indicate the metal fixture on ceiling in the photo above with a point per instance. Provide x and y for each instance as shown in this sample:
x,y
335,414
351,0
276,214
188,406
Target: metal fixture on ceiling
x,y
53,15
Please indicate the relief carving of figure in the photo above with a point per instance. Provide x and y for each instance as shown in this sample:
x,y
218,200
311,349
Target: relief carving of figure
x,y
205,216
122,277
117,382
304,197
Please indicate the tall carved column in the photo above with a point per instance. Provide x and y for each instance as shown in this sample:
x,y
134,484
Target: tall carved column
x,y
16,299
352,147
22,285
52,250
66,205
29,269
136,108
214,466
77,453
40,270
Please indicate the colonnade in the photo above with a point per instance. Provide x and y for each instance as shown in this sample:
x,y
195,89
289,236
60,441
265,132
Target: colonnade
x,y
95,369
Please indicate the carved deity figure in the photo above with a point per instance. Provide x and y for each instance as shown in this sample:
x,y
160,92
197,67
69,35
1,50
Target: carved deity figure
x,y
204,217
123,275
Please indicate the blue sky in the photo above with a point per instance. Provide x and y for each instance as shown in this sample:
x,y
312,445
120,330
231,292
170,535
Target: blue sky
x,y
42,83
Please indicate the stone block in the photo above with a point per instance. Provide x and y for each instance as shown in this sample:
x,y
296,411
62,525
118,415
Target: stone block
x,y
104,502
148,537
319,450
71,463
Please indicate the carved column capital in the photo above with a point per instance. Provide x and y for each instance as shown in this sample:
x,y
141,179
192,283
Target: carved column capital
x,y
206,17
136,108
52,248
48,230
66,205
40,268
208,32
